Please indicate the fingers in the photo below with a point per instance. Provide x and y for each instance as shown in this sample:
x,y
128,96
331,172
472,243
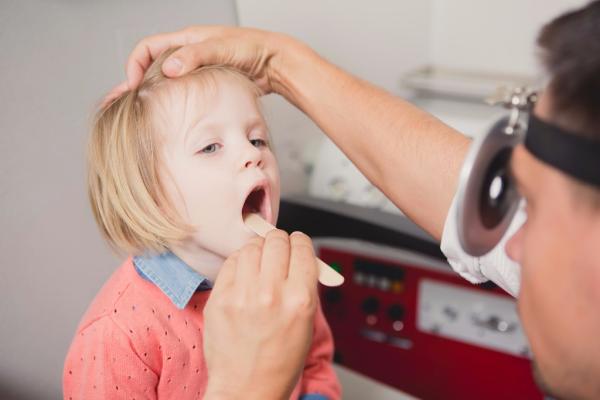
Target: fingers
x,y
193,56
248,266
148,49
227,273
249,50
264,264
275,258
303,264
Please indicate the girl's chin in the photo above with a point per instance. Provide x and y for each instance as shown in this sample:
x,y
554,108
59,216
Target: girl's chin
x,y
236,243
224,246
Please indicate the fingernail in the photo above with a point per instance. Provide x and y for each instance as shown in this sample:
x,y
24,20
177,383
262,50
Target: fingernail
x,y
173,66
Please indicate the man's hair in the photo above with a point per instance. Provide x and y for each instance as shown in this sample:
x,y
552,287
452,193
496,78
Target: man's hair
x,y
570,51
124,187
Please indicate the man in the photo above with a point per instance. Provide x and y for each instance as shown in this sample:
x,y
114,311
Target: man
x,y
386,138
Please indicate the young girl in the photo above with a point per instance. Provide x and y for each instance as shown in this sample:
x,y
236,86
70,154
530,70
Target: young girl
x,y
173,165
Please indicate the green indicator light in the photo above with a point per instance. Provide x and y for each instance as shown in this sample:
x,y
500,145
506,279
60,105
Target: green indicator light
x,y
336,266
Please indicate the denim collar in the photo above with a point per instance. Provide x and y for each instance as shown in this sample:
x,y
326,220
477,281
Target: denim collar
x,y
173,277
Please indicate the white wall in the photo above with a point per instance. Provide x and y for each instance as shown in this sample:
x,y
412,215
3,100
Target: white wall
x,y
491,36
58,58
377,40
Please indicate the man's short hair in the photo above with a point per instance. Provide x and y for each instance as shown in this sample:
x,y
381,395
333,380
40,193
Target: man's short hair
x,y
570,51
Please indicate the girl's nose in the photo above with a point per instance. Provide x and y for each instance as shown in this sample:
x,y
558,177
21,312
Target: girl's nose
x,y
252,156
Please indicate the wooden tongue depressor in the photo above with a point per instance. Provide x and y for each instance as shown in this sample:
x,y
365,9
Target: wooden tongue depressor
x,y
327,275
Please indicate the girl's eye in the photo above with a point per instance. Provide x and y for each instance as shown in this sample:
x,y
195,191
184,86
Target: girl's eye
x,y
211,148
258,142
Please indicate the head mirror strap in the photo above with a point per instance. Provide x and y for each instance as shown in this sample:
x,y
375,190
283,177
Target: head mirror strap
x,y
572,154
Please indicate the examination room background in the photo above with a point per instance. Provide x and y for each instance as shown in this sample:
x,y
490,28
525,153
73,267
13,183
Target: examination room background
x,y
58,57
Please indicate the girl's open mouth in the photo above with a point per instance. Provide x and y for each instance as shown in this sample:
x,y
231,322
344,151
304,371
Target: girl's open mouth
x,y
258,202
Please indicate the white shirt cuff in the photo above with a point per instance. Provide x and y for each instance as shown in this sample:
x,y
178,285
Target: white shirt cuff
x,y
494,266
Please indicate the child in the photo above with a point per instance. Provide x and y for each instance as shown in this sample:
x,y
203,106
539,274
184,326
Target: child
x,y
172,167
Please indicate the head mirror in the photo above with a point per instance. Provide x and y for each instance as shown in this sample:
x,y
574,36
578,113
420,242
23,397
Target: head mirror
x,y
487,195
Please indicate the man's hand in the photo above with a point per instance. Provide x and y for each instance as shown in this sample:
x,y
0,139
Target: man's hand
x,y
259,318
255,52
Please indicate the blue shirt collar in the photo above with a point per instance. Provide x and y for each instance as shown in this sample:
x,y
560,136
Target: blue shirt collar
x,y
173,277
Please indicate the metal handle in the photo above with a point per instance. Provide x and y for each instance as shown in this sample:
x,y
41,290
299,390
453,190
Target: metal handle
x,y
518,100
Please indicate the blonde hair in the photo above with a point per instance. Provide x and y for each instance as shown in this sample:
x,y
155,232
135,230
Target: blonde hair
x,y
124,188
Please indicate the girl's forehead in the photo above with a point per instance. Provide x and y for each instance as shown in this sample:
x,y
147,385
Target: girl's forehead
x,y
180,100
182,103
199,95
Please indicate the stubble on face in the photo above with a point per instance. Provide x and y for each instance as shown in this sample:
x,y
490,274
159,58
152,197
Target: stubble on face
x,y
560,279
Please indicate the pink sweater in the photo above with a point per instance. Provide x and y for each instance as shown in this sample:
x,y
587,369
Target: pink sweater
x,y
133,343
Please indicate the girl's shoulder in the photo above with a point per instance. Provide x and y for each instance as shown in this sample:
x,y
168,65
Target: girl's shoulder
x,y
124,292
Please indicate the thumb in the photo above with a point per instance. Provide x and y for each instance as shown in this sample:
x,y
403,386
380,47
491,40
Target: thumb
x,y
172,67
192,56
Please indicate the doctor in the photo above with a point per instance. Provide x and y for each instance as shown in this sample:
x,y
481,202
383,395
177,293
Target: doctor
x,y
415,160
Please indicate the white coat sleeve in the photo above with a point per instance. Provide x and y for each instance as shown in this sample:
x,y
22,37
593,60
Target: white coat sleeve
x,y
495,265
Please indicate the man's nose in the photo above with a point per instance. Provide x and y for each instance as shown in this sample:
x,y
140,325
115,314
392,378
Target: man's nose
x,y
514,246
